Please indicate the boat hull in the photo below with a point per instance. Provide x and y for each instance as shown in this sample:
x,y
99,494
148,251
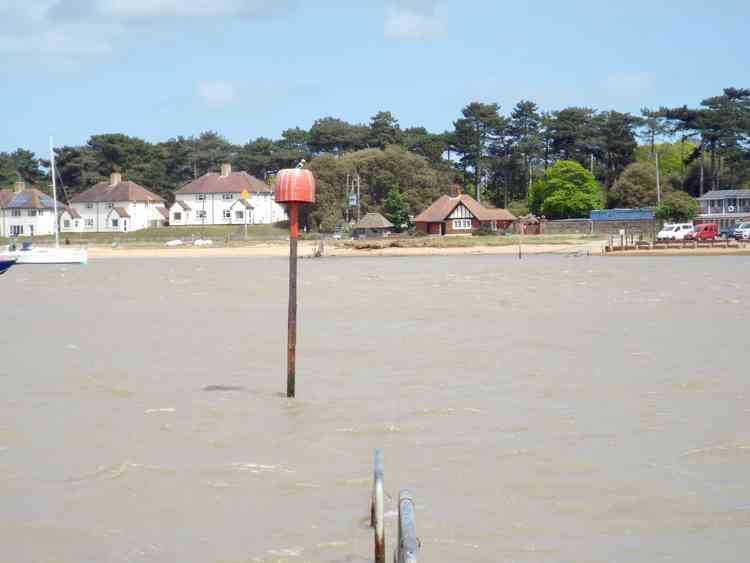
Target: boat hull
x,y
5,264
49,256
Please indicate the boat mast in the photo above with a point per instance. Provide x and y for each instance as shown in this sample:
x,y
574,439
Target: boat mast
x,y
54,190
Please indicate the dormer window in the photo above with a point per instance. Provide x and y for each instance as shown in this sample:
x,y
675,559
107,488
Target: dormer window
x,y
200,197
110,205
89,205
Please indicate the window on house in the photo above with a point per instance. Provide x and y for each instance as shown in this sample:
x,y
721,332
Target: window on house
x,y
147,203
110,205
89,206
200,214
227,214
227,196
32,212
16,230
66,224
177,216
75,223
16,212
461,224
200,197
115,223
239,214
89,223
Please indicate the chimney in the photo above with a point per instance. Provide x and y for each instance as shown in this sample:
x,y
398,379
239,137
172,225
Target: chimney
x,y
456,189
20,186
226,169
115,178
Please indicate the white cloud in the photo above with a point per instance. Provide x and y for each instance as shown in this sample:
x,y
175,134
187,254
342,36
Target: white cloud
x,y
74,30
217,93
414,20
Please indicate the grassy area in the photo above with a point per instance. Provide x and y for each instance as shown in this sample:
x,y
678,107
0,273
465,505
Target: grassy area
x,y
163,234
468,241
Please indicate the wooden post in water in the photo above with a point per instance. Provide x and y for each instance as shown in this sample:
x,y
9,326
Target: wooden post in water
x,y
293,186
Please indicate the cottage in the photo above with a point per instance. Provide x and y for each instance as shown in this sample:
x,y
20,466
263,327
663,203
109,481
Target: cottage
x,y
726,208
26,212
227,198
372,225
116,206
459,214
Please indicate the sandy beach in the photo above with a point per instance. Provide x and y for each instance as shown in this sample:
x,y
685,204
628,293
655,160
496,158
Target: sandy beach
x,y
308,249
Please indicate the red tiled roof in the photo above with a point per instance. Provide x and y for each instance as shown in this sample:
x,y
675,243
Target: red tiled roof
x,y
182,204
444,206
122,212
235,182
124,191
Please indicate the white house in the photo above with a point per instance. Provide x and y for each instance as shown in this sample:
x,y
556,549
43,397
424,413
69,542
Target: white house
x,y
116,206
217,199
26,212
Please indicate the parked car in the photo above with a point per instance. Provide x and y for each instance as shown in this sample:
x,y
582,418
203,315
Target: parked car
x,y
742,231
728,232
675,231
704,231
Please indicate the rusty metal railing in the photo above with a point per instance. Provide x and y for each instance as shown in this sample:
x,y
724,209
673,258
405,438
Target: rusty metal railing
x,y
376,511
408,544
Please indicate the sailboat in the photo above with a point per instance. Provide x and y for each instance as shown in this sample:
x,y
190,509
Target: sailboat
x,y
30,254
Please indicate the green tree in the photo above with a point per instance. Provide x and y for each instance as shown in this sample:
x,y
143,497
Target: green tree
x,y
384,130
432,146
615,142
395,208
635,187
333,135
565,190
21,164
474,135
677,206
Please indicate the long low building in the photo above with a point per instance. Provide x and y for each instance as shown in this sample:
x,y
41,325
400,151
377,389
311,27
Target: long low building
x,y
726,208
459,214
225,198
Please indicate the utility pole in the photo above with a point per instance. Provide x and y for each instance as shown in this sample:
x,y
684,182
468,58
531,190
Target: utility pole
x,y
359,204
592,163
658,183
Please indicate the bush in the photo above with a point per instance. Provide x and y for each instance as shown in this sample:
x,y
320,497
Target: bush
x,y
483,231
566,190
677,206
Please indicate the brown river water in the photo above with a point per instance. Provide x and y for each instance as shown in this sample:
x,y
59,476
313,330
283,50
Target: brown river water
x,y
554,409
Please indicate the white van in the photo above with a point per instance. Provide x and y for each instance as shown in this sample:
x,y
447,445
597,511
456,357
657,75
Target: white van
x,y
675,231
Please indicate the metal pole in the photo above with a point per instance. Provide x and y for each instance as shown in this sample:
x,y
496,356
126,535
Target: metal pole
x,y
406,550
658,183
54,192
376,515
359,208
292,335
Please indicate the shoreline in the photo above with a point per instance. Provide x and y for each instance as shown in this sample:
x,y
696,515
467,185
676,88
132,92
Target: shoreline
x,y
308,249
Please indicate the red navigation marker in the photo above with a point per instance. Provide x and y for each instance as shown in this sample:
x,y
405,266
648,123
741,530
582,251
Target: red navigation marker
x,y
293,186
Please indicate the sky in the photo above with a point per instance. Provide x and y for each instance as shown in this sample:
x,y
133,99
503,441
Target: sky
x,y
158,69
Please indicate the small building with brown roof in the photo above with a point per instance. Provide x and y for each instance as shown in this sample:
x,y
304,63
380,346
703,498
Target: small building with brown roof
x,y
225,198
116,206
372,225
26,211
461,214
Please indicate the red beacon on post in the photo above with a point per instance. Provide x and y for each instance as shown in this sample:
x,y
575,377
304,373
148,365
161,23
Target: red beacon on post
x,y
293,186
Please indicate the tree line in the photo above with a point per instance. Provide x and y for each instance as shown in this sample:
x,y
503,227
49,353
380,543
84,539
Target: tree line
x,y
503,155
